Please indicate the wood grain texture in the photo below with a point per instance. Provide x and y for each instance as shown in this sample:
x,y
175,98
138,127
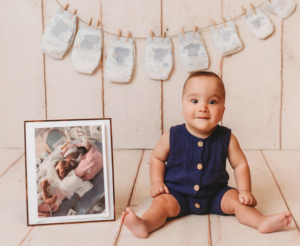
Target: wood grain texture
x,y
13,226
126,163
188,230
291,87
72,95
261,80
8,157
133,106
226,230
178,14
21,69
285,166
252,79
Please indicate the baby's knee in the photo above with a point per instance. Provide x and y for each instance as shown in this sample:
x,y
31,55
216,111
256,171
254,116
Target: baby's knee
x,y
168,203
230,201
160,199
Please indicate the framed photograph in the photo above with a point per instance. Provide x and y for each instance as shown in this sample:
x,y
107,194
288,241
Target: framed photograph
x,y
69,171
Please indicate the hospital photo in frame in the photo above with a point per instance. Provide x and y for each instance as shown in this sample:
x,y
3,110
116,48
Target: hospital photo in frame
x,y
69,171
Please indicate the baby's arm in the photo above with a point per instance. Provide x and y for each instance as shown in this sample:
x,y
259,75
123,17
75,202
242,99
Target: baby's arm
x,y
157,165
60,168
239,163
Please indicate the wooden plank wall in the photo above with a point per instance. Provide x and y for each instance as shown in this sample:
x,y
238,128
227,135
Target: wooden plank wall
x,y
262,104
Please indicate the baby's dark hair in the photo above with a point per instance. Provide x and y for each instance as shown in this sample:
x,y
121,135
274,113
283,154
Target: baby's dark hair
x,y
204,73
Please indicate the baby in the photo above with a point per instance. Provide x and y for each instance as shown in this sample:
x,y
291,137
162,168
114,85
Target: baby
x,y
194,179
71,160
62,168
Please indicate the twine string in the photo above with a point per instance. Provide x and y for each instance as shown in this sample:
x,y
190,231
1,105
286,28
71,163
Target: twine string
x,y
174,35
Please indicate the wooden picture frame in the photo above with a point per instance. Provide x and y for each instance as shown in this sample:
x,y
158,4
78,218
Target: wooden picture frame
x,y
69,171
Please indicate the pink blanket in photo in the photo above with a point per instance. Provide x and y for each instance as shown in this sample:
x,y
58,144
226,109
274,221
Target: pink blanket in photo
x,y
90,164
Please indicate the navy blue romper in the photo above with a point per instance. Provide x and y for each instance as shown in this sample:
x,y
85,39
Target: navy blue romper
x,y
196,170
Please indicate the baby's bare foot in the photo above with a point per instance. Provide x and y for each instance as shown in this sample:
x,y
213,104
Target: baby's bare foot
x,y
50,199
275,222
134,223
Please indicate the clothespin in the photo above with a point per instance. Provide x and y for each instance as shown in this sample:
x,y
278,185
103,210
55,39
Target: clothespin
x,y
119,34
195,29
89,23
151,33
97,25
163,37
64,8
223,21
128,34
74,12
252,7
182,32
244,10
214,23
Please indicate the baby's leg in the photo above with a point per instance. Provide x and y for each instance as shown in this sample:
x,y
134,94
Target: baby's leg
x,y
47,198
163,206
250,216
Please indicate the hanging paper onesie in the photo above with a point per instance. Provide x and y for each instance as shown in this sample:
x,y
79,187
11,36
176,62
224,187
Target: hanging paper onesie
x,y
226,39
59,34
192,52
259,24
158,58
120,60
282,8
86,51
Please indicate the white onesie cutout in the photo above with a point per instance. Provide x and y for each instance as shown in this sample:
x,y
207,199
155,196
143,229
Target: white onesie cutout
x,y
120,60
59,34
192,52
76,184
259,24
282,8
158,58
226,38
86,51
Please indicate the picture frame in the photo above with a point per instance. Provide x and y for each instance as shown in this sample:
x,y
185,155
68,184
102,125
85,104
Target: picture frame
x,y
69,171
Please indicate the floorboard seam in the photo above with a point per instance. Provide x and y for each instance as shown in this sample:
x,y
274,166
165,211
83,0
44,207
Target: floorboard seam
x,y
280,191
12,165
101,64
209,232
161,82
44,65
26,236
281,88
129,200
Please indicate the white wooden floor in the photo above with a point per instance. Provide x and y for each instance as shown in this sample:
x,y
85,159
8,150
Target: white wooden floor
x,y
275,184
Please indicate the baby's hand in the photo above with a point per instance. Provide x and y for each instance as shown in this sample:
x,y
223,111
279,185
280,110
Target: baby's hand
x,y
158,188
245,197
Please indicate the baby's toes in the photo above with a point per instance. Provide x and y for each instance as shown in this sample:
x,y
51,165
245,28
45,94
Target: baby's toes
x,y
290,220
123,217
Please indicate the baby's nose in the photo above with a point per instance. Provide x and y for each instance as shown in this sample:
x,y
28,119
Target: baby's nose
x,y
203,108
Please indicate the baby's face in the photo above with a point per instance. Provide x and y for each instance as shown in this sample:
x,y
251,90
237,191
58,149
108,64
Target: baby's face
x,y
72,156
203,103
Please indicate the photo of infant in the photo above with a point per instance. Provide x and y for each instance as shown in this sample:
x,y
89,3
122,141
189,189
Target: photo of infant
x,y
69,171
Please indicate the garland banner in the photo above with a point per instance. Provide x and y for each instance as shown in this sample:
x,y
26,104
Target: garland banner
x,y
87,49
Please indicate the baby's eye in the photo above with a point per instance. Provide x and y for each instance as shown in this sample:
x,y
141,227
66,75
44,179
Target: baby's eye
x,y
212,102
194,101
